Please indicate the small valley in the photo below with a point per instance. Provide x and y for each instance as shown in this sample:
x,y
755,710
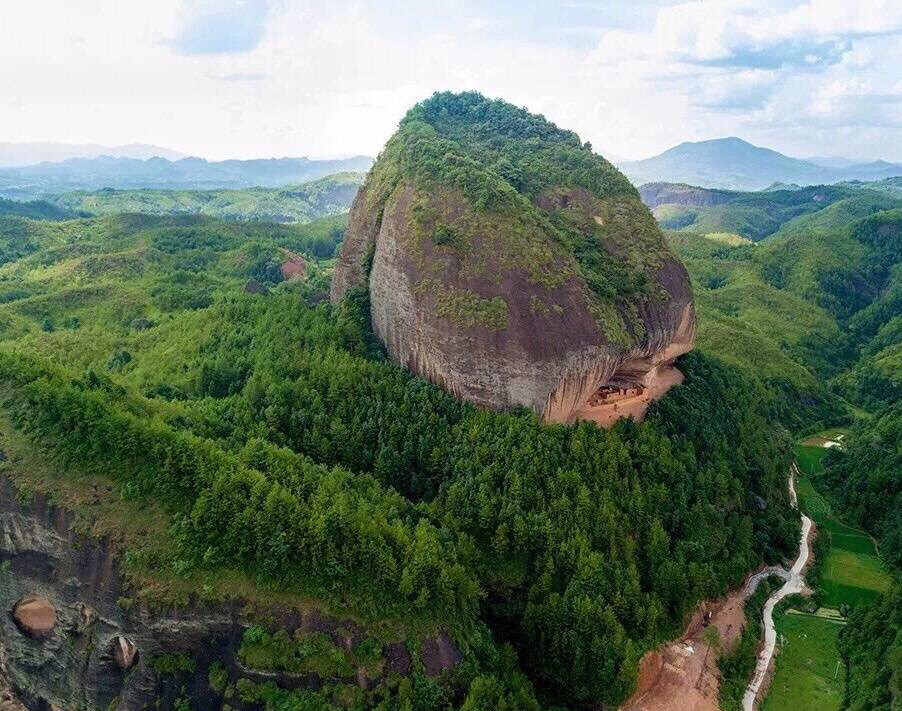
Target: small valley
x,y
474,356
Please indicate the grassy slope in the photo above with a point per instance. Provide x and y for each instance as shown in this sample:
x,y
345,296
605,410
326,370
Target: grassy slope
x,y
807,677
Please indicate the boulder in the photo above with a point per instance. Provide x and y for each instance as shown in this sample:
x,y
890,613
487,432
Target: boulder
x,y
125,652
510,265
439,653
35,616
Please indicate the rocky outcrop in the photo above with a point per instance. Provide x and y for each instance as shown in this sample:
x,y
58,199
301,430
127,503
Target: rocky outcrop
x,y
494,304
35,615
125,652
439,653
657,194
73,638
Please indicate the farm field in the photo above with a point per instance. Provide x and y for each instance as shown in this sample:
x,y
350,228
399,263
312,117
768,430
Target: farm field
x,y
810,458
808,677
852,571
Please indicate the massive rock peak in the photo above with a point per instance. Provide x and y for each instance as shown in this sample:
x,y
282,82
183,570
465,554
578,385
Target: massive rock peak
x,y
507,263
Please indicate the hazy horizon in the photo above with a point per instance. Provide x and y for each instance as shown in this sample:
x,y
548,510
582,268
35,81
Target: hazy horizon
x,y
261,78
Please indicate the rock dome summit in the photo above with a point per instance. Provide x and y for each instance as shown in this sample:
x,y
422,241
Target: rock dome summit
x,y
512,266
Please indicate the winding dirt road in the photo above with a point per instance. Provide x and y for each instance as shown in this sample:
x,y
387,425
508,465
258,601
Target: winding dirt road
x,y
794,584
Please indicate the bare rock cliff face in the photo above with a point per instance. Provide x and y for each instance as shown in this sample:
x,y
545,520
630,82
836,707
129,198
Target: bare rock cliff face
x,y
68,640
499,313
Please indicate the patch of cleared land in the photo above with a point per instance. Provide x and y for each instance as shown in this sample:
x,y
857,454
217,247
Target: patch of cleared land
x,y
730,238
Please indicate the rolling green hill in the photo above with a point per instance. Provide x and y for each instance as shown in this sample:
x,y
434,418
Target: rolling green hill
x,y
35,210
817,311
299,203
758,215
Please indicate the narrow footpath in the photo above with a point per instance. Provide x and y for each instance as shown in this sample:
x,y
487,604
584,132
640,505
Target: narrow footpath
x,y
794,584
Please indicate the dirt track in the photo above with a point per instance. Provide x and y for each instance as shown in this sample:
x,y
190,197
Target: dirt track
x,y
683,676
794,584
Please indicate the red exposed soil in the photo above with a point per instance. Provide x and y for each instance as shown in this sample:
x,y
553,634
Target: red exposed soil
x,y
294,266
682,675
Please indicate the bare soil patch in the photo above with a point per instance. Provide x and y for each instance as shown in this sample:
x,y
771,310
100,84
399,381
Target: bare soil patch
x,y
664,378
682,675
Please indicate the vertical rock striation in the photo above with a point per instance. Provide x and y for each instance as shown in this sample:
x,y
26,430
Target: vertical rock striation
x,y
508,264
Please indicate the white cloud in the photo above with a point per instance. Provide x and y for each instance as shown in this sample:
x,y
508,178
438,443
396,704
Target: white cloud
x,y
335,77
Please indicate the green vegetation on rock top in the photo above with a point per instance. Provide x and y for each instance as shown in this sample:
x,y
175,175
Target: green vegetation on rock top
x,y
516,192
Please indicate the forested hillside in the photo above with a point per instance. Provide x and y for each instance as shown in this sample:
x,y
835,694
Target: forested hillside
x,y
331,195
757,215
284,448
815,310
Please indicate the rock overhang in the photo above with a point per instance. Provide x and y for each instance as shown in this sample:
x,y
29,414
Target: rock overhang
x,y
511,296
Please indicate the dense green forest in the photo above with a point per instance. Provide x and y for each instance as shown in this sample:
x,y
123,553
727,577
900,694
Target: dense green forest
x,y
284,447
331,195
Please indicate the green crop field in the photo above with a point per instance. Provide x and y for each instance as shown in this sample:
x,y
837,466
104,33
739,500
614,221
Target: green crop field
x,y
842,536
810,458
808,676
852,571
853,577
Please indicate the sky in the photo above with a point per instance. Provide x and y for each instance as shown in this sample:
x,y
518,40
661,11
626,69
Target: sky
x,y
261,78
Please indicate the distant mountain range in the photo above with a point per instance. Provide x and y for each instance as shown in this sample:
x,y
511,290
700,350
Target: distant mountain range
x,y
43,179
737,165
15,155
